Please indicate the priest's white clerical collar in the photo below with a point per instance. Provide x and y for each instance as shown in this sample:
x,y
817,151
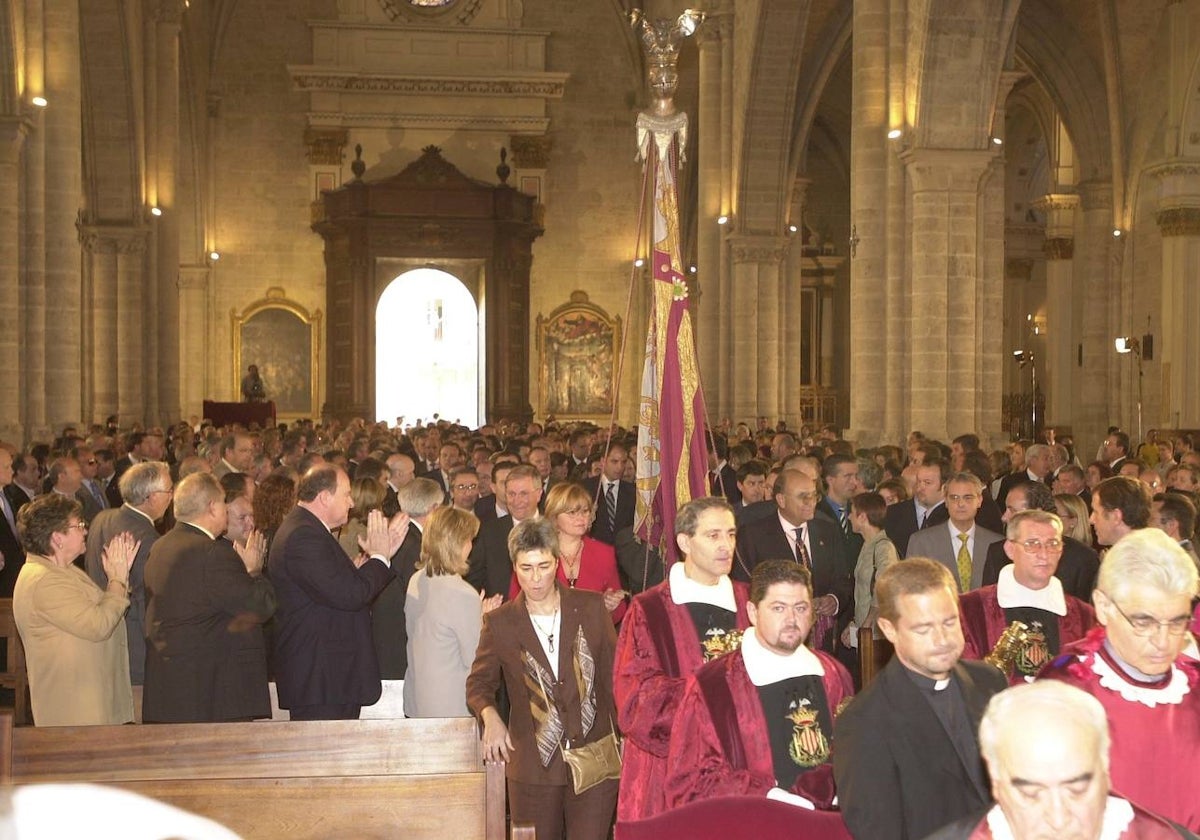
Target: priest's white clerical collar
x,y
1118,814
765,667
684,590
1011,594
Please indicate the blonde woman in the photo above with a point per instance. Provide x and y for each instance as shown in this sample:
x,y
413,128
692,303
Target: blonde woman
x,y
1074,515
443,615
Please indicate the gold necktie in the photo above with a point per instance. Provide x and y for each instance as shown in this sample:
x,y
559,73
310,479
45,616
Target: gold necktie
x,y
964,564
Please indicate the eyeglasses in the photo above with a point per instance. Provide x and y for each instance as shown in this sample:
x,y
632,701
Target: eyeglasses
x,y
577,511
806,497
965,497
82,526
1033,545
466,486
1147,625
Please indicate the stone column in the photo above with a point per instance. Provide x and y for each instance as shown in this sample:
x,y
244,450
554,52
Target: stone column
x,y
755,327
164,164
132,324
1178,221
946,357
790,302
195,326
64,198
869,154
12,138
1096,284
708,233
100,322
1061,324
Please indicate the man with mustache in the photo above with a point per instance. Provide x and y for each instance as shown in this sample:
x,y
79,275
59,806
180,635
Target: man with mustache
x,y
759,721
907,762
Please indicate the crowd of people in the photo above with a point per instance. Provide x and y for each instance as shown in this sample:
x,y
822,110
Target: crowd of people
x,y
497,573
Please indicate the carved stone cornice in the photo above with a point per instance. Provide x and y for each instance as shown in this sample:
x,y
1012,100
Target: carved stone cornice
x,y
320,80
1095,195
530,152
758,249
957,170
498,123
1180,167
1055,202
325,145
112,239
1178,221
1059,248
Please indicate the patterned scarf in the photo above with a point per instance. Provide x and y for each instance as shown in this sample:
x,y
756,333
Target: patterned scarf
x,y
548,722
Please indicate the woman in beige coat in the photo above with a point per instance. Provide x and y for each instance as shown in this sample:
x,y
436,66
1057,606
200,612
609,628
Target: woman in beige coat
x,y
73,631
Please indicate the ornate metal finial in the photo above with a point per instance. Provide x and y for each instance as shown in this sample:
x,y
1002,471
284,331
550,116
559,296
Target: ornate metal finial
x,y
661,39
357,166
503,170
1008,647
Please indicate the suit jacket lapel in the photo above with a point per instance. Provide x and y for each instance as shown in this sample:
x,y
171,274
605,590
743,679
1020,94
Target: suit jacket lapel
x,y
922,726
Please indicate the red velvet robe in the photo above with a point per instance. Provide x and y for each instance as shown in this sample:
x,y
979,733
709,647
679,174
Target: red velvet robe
x,y
1145,826
697,764
648,690
983,621
1154,750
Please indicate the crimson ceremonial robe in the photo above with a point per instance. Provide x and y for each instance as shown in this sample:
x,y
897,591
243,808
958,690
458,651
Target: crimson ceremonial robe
x,y
698,764
1154,748
658,650
983,621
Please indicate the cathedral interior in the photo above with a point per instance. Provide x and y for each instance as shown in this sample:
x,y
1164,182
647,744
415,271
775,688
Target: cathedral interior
x,y
934,214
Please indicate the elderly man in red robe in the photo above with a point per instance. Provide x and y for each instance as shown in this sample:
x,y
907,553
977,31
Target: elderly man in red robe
x,y
1047,750
697,614
760,720
1026,591
1134,665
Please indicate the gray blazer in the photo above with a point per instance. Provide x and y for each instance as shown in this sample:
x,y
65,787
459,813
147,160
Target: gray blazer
x,y
938,543
106,525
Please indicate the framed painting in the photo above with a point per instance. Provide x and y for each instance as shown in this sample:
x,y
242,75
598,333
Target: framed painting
x,y
283,339
578,345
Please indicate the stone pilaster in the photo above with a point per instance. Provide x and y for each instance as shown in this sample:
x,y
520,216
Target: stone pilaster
x,y
12,138
946,356
757,318
62,121
790,303
1096,285
1062,323
195,327
1178,220
710,305
100,323
133,350
165,125
871,383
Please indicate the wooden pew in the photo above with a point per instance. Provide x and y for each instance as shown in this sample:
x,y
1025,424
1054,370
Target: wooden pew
x,y
309,780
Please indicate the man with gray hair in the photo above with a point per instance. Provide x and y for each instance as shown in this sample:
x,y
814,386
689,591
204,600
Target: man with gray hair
x,y
1046,746
1038,460
419,498
1027,591
206,600
961,545
1134,666
146,491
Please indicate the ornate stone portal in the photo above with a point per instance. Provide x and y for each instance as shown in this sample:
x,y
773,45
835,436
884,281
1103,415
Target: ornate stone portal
x,y
431,215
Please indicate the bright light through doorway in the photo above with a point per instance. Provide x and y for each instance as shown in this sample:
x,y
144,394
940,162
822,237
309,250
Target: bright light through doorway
x,y
427,350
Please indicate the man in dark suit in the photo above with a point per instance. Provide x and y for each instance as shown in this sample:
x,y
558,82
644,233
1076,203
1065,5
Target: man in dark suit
x,y
490,569
907,760
841,483
401,470
1115,450
926,508
493,505
419,498
796,534
147,493
143,446
1079,563
610,520
324,653
1037,466
23,488
722,478
205,604
11,552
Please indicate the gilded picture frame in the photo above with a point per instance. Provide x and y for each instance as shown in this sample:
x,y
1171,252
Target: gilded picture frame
x,y
578,345
284,339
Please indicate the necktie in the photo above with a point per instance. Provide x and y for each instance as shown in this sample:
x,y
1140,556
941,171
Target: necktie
x,y
610,501
8,514
964,564
99,497
844,521
802,550
921,520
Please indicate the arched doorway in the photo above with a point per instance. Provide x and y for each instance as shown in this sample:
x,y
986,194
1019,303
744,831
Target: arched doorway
x,y
427,357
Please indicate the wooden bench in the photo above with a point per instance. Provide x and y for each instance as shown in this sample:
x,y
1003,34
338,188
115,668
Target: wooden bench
x,y
413,778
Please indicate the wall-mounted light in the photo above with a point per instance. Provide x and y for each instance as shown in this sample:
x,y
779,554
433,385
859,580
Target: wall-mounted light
x,y
639,262
895,134
155,211
1116,233
1126,344
792,228
996,141
722,220
39,101
214,255
692,269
